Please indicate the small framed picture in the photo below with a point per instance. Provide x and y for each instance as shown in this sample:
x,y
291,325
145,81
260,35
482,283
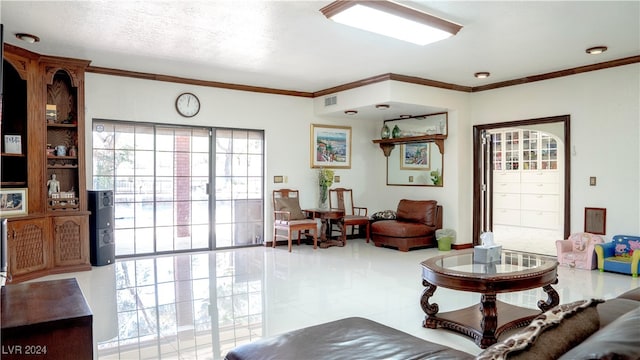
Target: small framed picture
x,y
278,179
13,202
13,144
52,114
415,156
595,220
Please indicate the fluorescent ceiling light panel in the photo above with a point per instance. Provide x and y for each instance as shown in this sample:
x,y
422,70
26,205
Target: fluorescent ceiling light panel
x,y
391,19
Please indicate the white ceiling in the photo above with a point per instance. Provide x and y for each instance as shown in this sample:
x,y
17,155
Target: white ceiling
x,y
290,45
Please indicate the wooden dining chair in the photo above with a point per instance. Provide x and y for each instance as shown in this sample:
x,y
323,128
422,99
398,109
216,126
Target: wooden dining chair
x,y
289,218
342,198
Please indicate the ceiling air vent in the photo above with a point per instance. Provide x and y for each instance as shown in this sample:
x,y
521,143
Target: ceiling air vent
x,y
331,100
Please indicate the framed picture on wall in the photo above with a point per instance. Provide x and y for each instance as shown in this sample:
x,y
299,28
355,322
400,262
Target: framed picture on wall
x,y
415,156
330,146
595,220
13,202
13,144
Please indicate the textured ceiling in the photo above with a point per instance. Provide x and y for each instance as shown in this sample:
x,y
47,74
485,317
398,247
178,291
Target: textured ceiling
x,y
290,45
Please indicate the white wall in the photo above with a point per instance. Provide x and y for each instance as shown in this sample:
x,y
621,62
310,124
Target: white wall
x,y
605,133
455,195
605,136
285,119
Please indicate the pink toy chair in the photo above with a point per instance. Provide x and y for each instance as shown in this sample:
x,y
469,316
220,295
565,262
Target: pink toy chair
x,y
578,250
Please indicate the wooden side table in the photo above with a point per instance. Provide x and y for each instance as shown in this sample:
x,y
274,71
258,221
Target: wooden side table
x,y
326,216
46,320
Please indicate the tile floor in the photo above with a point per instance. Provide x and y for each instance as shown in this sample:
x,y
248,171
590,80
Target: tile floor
x,y
539,241
198,306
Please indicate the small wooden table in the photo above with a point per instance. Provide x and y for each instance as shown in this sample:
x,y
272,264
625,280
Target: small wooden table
x,y
46,320
517,271
326,216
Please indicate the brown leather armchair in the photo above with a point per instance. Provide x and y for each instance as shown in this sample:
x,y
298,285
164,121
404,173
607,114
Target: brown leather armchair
x,y
415,226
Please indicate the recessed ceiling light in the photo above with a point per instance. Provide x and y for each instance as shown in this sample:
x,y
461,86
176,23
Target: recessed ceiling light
x,y
391,19
351,112
382,106
482,74
405,116
596,50
28,38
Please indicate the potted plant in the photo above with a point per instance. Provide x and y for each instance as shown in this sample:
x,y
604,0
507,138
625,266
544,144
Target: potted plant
x,y
325,180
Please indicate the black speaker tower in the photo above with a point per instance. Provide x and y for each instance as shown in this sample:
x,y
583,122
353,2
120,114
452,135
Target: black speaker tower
x,y
103,247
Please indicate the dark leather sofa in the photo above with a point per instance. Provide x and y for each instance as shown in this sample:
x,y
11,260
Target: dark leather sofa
x,y
414,226
350,338
357,338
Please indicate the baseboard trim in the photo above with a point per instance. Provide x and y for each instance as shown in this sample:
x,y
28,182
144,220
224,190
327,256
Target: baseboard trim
x,y
461,246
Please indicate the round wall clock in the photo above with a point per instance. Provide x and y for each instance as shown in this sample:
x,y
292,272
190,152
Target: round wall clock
x,y
187,104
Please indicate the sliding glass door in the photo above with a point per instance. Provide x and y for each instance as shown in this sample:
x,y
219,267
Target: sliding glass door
x,y
181,178
239,184
161,176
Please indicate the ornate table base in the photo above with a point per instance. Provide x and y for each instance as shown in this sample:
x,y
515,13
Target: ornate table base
x,y
515,271
485,322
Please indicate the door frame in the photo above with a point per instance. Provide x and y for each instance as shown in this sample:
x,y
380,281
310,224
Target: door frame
x,y
478,176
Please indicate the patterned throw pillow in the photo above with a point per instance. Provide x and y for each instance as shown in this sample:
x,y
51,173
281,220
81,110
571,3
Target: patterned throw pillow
x,y
384,215
618,340
550,334
292,206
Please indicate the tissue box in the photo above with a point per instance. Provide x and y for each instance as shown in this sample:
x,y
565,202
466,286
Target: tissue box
x,y
486,254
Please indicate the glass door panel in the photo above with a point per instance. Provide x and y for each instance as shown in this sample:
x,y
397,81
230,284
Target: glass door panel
x,y
239,187
162,175
497,151
181,186
549,152
512,150
529,150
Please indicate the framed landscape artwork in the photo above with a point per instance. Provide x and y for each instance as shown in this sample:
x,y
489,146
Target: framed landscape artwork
x,y
13,202
330,146
415,156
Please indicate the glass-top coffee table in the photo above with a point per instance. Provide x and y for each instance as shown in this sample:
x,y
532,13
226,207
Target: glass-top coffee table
x,y
517,271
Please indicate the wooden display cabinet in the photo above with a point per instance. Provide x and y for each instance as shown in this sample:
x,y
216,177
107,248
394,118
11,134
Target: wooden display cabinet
x,y
526,181
14,122
70,249
28,246
63,136
54,236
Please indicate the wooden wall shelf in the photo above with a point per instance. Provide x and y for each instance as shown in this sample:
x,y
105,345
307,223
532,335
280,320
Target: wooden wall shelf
x,y
12,183
62,166
52,157
62,125
389,144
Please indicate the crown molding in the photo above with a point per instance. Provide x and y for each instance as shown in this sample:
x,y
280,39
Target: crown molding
x,y
561,73
368,81
181,80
